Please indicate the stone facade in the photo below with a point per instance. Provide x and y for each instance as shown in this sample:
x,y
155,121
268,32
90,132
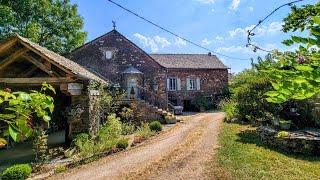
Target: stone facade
x,y
124,54
212,82
117,59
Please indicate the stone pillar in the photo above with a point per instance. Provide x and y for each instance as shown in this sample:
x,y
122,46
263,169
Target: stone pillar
x,y
94,111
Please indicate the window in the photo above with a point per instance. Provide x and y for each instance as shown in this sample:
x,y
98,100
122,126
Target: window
x,y
192,84
108,54
172,84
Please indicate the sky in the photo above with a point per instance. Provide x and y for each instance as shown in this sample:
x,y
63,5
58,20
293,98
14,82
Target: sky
x,y
219,25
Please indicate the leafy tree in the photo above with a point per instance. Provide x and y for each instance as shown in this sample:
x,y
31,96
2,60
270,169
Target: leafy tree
x,y
296,75
25,113
299,18
54,24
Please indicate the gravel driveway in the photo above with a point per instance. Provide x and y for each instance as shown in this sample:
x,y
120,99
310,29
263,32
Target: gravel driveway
x,y
180,153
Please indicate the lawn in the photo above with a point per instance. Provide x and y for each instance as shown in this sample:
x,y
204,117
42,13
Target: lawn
x,y
243,156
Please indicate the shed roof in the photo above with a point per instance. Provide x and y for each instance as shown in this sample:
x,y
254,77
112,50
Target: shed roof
x,y
68,64
189,61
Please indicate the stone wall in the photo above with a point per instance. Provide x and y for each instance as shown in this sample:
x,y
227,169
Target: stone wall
x,y
212,83
296,142
125,54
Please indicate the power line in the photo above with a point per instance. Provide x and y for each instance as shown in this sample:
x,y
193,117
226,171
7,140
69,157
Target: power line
x,y
175,34
251,34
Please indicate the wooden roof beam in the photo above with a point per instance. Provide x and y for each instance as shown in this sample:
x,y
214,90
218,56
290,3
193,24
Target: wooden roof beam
x,y
45,68
7,45
13,57
28,72
37,80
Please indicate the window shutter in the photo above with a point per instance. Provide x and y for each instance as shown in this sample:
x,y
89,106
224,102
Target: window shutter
x,y
188,84
178,84
168,84
198,83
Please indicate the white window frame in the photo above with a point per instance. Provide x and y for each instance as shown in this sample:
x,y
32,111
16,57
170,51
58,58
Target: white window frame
x,y
109,53
173,84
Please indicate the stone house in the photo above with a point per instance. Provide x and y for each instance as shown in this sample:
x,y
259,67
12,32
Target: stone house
x,y
157,78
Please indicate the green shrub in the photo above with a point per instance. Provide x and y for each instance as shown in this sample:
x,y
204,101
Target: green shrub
x,y
248,92
155,126
145,131
229,107
84,144
122,143
60,169
17,172
112,129
202,103
128,129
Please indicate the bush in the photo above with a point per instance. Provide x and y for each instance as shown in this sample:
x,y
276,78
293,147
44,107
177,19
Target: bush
x,y
144,131
229,107
122,143
128,129
84,144
202,103
155,126
248,92
112,129
19,171
61,169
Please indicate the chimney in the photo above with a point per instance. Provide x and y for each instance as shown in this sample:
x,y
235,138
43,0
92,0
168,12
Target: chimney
x,y
209,54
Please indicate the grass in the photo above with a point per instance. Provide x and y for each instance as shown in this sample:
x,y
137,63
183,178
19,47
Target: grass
x,y
243,156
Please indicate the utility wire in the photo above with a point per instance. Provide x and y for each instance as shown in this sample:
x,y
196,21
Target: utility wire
x,y
251,34
175,34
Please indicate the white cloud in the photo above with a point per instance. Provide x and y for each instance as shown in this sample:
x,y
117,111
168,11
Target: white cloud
x,y
157,42
234,4
206,1
180,42
272,28
250,8
206,42
219,38
162,41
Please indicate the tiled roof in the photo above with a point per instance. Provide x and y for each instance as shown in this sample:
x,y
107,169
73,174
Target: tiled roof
x,y
70,65
189,61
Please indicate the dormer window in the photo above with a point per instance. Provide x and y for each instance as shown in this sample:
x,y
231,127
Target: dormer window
x,y
109,54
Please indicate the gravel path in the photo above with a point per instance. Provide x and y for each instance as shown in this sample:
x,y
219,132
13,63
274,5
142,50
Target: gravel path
x,y
180,153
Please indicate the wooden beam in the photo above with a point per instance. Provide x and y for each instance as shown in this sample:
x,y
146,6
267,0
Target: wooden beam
x,y
28,72
46,58
40,65
37,80
7,45
12,57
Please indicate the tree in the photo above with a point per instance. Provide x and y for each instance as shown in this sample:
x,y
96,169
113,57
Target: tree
x,y
297,74
299,18
54,24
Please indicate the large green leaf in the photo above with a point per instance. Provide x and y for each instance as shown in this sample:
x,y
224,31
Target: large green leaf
x,y
14,132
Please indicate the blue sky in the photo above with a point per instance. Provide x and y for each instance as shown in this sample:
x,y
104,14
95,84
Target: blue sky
x,y
219,25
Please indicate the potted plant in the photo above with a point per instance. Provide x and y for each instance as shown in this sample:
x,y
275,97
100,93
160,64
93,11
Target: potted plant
x,y
170,120
284,124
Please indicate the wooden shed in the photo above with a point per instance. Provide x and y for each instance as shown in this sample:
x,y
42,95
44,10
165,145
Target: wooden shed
x,y
26,65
